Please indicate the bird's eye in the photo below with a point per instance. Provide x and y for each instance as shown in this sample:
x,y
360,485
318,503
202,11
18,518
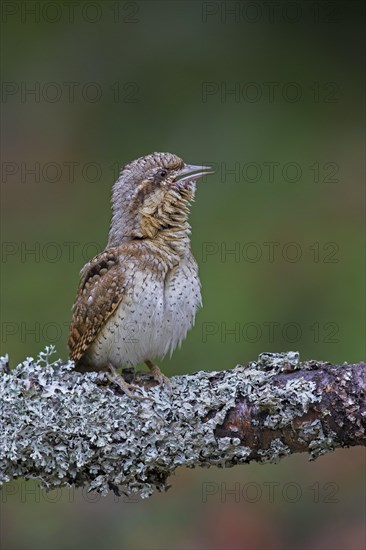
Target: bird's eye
x,y
162,173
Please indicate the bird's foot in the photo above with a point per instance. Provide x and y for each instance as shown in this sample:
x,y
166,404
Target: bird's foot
x,y
160,377
127,388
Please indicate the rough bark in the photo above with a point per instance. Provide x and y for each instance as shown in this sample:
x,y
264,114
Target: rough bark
x,y
68,428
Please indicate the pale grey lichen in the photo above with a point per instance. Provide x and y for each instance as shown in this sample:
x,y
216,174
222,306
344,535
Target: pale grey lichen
x,y
88,434
321,444
67,428
285,403
276,451
296,397
280,361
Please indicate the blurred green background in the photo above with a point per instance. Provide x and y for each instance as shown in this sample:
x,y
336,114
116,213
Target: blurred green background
x,y
270,93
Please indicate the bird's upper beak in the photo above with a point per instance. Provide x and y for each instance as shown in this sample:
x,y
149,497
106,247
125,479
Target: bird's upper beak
x,y
192,173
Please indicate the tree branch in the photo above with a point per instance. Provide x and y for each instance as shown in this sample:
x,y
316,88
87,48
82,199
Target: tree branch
x,y
67,428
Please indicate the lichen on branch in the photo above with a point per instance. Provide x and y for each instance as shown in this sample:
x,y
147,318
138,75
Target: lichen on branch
x,y
67,428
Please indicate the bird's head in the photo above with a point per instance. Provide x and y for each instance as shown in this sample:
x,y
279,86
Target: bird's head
x,y
151,196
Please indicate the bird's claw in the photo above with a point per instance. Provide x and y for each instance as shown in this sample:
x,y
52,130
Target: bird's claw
x,y
161,379
127,388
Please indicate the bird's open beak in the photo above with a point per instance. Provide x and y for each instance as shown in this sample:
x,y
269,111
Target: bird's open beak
x,y
192,173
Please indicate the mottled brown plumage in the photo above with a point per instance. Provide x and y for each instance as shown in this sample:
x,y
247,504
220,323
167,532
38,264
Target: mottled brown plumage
x,y
87,321
138,298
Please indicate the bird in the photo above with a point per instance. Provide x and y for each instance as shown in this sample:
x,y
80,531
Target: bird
x,y
138,298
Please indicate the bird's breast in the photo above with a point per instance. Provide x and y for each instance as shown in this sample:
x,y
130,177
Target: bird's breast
x,y
153,318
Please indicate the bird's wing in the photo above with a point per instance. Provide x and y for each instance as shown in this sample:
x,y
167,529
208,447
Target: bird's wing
x,y
101,289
